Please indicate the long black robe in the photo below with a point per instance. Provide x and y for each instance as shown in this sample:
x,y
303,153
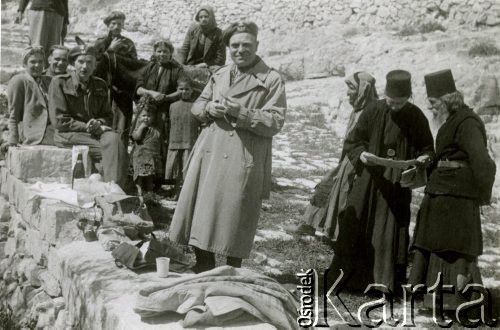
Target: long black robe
x,y
373,229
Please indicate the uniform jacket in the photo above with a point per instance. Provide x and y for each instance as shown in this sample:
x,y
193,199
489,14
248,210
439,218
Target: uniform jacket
x,y
229,172
463,138
70,108
28,109
214,49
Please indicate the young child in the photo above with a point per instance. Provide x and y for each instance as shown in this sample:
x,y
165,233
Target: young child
x,y
146,155
184,128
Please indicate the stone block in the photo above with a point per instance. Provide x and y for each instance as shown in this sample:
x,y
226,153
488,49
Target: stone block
x,y
4,173
15,244
32,163
36,246
57,221
50,284
24,200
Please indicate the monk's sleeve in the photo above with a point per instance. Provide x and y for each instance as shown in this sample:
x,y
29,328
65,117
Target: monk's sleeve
x,y
59,112
15,100
199,106
471,139
358,139
268,120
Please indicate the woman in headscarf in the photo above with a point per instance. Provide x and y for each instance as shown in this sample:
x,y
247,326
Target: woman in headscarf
x,y
330,195
203,45
159,81
447,238
28,103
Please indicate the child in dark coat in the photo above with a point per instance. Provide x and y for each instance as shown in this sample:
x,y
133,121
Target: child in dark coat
x,y
184,130
147,137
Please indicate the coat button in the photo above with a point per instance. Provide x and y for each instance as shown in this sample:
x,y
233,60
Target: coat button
x,y
225,156
231,134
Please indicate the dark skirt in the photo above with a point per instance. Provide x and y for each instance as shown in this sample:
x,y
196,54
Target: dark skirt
x,y
449,223
456,269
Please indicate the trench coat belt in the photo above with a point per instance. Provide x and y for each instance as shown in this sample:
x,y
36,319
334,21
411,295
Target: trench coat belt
x,y
452,163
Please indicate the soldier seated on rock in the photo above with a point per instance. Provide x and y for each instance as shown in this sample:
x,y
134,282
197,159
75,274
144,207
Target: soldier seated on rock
x,y
80,110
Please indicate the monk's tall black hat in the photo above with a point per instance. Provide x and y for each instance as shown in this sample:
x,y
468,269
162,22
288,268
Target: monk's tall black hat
x,y
439,83
398,84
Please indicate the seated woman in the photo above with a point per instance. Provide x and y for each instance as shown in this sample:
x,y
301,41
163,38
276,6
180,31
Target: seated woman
x,y
447,238
203,46
28,103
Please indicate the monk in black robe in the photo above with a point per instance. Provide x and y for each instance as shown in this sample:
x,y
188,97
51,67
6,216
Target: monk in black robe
x,y
373,229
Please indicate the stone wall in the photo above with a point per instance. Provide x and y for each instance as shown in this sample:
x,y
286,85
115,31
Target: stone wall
x,y
172,18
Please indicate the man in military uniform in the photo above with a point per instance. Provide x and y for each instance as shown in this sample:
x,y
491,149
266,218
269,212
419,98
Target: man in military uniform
x,y
80,112
229,172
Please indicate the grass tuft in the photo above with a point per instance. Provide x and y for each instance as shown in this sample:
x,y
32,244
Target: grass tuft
x,y
484,49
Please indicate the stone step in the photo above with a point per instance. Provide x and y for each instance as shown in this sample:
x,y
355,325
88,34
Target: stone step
x,y
44,163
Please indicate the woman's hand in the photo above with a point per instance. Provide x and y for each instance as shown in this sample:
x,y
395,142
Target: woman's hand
x,y
201,65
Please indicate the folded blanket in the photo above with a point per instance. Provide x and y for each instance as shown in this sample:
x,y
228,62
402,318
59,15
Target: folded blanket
x,y
221,296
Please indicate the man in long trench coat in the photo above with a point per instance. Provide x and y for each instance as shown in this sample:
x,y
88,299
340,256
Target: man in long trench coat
x,y
229,172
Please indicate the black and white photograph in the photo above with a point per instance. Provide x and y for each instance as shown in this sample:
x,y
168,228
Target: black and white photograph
x,y
266,164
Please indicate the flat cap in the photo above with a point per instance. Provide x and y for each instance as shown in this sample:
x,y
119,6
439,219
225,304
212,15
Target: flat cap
x,y
114,15
240,27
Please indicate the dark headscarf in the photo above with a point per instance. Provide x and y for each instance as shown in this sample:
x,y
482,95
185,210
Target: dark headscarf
x,y
212,24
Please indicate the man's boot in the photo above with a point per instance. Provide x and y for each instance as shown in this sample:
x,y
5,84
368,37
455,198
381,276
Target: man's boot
x,y
205,260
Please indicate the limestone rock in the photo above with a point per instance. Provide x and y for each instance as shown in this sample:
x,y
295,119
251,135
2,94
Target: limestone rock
x,y
34,162
4,230
49,284
17,303
26,266
260,258
4,210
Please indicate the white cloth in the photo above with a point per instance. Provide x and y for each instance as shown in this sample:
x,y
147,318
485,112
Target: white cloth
x,y
84,193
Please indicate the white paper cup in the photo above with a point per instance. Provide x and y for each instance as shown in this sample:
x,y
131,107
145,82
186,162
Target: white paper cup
x,y
162,266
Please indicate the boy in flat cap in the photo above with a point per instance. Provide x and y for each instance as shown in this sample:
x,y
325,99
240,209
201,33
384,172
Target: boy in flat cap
x,y
79,109
229,173
373,234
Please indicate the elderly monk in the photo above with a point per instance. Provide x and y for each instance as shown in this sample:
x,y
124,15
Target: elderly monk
x,y
58,61
79,108
243,107
28,104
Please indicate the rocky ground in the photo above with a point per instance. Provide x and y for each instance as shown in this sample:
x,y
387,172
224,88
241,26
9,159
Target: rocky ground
x,y
310,142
